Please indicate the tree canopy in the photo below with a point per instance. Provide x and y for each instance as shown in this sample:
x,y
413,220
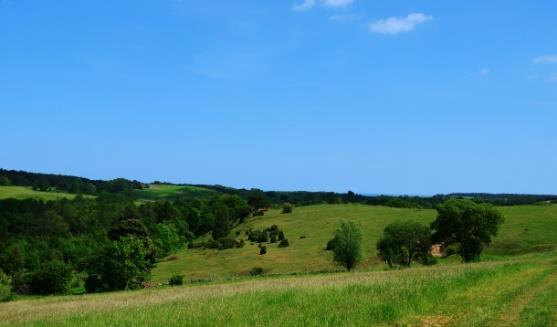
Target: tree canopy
x,y
404,242
468,225
348,244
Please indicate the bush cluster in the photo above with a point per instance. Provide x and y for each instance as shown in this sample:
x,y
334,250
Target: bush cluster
x,y
271,234
256,271
176,280
223,243
287,208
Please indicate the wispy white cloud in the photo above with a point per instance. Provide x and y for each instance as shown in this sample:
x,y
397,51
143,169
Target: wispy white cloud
x,y
337,3
303,6
484,71
394,25
345,17
551,59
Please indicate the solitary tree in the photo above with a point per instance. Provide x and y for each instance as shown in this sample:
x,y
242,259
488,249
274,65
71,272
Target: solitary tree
x,y
404,242
348,244
468,225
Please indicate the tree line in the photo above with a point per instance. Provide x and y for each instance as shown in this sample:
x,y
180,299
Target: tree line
x,y
71,184
258,198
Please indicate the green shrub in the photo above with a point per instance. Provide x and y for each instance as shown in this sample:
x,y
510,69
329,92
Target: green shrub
x,y
176,280
287,208
273,238
5,287
263,250
284,243
223,243
256,271
52,278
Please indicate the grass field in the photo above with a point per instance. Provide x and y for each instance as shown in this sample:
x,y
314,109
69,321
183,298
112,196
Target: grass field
x,y
170,192
527,229
22,192
517,291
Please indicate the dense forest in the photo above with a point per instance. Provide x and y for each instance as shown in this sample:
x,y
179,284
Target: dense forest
x,y
110,243
112,240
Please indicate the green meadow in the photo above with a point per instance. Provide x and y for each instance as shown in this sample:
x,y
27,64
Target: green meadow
x,y
526,229
516,291
23,192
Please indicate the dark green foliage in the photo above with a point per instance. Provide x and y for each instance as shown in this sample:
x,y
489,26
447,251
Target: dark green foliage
x,y
223,243
52,278
6,293
257,199
404,242
256,271
271,234
222,222
176,280
467,224
165,239
348,244
123,265
284,243
259,212
331,244
128,226
263,250
287,208
4,181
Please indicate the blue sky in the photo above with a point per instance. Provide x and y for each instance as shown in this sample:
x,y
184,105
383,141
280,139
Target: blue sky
x,y
413,97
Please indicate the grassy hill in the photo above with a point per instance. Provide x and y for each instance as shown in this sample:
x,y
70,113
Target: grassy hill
x,y
518,291
171,192
23,192
527,229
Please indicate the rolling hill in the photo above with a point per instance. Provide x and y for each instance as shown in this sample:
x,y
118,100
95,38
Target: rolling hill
x,y
526,229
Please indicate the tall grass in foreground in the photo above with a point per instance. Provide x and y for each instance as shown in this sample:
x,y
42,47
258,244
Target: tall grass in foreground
x,y
476,294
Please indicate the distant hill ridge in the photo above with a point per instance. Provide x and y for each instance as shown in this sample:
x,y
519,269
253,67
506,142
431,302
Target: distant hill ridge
x,y
81,185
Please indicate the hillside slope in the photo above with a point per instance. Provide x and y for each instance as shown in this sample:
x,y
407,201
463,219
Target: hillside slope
x,y
527,229
24,192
